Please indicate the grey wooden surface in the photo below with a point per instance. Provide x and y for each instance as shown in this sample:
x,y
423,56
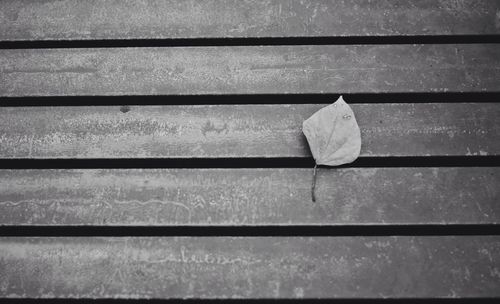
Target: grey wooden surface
x,y
161,267
251,70
414,129
354,196
262,267
158,19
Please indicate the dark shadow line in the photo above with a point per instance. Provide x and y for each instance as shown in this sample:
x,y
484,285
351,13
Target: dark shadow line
x,y
352,98
236,163
251,231
251,41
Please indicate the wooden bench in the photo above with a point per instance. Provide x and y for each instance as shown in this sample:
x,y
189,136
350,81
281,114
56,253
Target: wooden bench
x,y
199,187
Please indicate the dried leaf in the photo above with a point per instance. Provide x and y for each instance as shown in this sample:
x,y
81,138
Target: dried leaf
x,y
333,135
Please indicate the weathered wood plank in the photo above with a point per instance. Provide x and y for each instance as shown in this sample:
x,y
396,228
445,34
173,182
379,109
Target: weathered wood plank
x,y
250,196
251,70
211,131
144,19
248,267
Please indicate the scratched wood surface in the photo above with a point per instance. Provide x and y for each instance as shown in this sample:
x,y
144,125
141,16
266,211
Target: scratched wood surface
x,y
146,19
251,70
212,131
394,267
250,196
269,267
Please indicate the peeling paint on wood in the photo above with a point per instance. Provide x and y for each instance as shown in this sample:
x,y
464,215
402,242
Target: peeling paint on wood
x,y
250,196
251,70
162,19
232,267
241,130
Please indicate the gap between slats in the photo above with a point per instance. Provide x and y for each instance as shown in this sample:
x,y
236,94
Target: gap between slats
x,y
264,41
251,231
235,99
251,162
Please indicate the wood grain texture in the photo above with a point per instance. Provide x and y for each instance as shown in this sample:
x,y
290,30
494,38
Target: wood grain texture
x,y
251,70
248,267
211,131
250,196
158,19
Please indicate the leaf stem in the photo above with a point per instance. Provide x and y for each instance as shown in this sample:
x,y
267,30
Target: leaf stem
x,y
313,186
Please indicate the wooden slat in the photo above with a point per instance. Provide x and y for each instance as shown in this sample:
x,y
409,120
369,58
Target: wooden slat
x,y
210,131
251,70
143,19
250,196
270,267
